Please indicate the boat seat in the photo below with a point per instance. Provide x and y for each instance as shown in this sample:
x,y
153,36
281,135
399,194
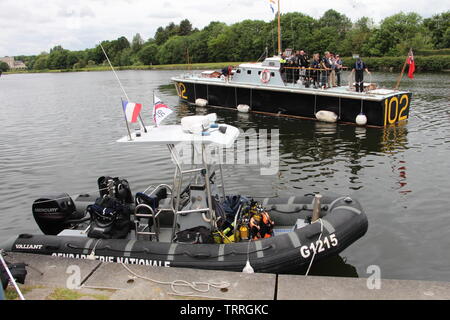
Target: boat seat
x,y
151,200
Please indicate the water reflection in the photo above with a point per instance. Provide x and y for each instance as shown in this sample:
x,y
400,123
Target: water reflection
x,y
316,152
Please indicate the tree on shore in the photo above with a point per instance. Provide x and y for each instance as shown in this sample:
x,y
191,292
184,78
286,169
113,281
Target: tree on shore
x,y
247,40
439,27
4,66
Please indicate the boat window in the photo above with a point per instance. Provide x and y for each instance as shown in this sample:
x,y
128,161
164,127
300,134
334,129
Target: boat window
x,y
238,71
259,72
272,64
272,74
249,71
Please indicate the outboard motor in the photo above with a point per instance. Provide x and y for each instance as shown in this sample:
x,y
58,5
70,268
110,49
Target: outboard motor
x,y
54,213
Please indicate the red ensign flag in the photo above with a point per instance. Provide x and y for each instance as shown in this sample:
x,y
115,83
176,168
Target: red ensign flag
x,y
412,66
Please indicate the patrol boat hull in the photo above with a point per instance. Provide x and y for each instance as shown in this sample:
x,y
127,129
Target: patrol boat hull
x,y
342,222
381,107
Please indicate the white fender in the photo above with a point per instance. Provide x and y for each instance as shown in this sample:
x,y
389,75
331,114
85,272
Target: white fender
x,y
201,102
361,119
326,116
243,108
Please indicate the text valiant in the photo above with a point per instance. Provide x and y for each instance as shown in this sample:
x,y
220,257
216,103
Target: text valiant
x,y
29,246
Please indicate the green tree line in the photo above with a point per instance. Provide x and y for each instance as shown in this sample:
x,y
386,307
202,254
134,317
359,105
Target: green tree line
x,y
249,39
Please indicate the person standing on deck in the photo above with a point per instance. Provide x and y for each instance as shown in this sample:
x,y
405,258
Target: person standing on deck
x,y
326,65
302,59
359,69
332,81
338,68
315,64
302,63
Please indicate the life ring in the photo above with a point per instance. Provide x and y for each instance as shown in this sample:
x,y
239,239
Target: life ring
x,y
265,76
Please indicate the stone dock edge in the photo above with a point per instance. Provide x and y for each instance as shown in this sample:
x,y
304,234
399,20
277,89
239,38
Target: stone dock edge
x,y
52,278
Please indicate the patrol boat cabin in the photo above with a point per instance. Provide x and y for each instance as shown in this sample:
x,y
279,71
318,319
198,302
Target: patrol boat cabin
x,y
270,87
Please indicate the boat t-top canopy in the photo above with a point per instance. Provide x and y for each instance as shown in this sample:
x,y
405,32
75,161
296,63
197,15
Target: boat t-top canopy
x,y
219,134
193,130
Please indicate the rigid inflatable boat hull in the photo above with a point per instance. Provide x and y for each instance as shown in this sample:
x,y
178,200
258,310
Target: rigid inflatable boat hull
x,y
343,222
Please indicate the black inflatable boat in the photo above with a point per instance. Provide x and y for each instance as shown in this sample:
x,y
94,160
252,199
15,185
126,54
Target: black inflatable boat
x,y
193,225
342,222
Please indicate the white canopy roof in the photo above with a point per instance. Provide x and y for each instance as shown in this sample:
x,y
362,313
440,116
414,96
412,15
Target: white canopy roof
x,y
173,134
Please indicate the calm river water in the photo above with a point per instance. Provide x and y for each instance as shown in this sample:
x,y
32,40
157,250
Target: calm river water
x,y
58,133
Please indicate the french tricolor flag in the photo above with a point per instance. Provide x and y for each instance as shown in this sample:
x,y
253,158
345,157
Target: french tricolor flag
x,y
131,110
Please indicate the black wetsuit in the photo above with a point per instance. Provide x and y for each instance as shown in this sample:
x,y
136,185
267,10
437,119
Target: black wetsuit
x,y
338,71
315,64
360,66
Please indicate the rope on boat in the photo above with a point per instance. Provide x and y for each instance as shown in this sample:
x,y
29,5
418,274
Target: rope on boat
x,y
11,278
195,285
314,254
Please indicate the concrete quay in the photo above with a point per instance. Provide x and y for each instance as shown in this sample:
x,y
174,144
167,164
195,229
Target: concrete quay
x,y
52,278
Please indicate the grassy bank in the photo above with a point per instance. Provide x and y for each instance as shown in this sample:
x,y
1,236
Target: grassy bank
x,y
435,63
195,66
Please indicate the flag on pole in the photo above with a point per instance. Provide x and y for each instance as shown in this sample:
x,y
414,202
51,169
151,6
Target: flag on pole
x,y
272,4
412,65
160,110
131,110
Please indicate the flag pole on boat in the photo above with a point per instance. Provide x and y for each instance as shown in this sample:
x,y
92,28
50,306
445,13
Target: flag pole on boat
x,y
120,84
153,111
279,30
126,121
403,70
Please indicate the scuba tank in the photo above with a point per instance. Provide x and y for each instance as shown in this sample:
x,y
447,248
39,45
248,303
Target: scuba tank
x,y
243,232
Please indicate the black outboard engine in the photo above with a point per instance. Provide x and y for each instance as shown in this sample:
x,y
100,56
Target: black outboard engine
x,y
53,214
110,214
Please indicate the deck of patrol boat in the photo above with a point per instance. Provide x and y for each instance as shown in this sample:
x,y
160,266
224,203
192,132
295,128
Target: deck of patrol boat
x,y
378,94
271,88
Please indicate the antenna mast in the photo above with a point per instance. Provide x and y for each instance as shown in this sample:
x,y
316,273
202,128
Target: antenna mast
x,y
120,84
279,30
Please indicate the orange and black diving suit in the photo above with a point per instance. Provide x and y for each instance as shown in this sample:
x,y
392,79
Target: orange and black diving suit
x,y
260,225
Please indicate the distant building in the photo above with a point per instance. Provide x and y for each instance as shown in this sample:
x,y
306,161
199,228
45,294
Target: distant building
x,y
13,64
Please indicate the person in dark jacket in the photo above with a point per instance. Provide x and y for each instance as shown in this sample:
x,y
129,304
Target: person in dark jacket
x,y
302,59
325,73
359,69
315,64
338,68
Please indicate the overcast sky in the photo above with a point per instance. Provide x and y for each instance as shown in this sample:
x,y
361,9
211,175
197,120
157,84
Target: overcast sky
x,y
32,26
